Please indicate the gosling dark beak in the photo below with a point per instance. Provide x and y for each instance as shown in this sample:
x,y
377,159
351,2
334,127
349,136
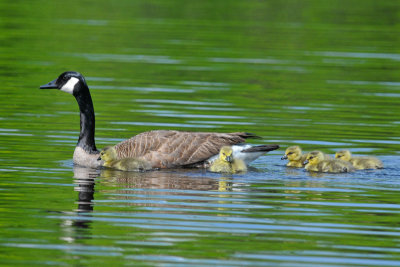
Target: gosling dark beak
x,y
229,159
305,162
284,157
99,158
50,85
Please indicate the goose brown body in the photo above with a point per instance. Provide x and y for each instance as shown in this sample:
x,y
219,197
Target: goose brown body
x,y
169,149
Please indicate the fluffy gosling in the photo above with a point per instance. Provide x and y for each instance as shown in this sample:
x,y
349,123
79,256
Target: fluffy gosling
x,y
226,163
110,158
360,163
315,162
108,154
295,157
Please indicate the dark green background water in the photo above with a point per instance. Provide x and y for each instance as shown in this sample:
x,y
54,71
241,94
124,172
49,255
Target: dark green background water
x,y
321,74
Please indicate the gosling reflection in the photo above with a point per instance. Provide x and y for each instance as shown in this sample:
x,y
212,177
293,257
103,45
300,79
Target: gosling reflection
x,y
225,184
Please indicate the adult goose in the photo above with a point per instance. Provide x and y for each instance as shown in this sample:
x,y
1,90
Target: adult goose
x,y
160,148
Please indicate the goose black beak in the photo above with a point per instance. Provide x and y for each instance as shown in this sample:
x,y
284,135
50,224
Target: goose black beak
x,y
99,158
284,157
305,162
50,85
229,159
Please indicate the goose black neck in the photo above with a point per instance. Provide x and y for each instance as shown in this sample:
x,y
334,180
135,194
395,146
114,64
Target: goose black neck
x,y
86,136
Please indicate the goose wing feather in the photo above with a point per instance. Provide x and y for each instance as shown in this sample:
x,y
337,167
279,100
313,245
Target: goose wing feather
x,y
167,149
260,148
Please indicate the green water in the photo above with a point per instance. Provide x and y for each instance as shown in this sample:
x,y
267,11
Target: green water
x,y
320,74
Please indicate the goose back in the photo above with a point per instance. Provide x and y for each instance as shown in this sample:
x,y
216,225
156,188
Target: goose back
x,y
169,149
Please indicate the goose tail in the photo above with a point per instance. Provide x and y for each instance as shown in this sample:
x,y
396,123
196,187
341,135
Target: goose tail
x,y
261,148
248,153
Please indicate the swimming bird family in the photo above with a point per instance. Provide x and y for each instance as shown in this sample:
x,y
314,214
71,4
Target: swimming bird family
x,y
159,148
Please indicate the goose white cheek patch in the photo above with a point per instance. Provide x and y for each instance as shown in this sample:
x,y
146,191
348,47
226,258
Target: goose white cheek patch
x,y
69,86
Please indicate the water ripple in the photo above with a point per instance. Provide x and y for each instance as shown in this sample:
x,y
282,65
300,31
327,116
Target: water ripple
x,y
127,58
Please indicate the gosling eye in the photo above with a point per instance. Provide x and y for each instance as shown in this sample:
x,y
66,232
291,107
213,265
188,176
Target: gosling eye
x,y
310,157
290,153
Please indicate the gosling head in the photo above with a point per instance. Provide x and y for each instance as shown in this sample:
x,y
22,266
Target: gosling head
x,y
314,157
225,154
343,155
109,153
292,153
70,81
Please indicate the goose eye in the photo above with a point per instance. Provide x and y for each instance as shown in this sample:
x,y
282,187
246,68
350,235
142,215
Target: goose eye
x,y
290,153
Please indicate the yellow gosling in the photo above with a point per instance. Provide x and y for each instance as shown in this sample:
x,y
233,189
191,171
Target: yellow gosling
x,y
108,154
226,163
360,163
110,158
130,164
295,157
315,162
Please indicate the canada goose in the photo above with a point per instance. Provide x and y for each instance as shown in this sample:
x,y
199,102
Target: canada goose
x,y
295,157
315,162
160,148
226,163
109,156
360,163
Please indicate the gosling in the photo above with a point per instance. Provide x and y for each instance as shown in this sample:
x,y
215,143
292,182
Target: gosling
x,y
110,158
360,163
226,163
315,162
295,157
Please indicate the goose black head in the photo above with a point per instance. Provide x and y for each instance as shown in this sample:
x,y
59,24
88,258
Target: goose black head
x,y
69,81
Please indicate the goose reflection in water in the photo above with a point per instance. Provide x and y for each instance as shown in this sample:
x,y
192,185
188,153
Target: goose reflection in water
x,y
179,179
77,225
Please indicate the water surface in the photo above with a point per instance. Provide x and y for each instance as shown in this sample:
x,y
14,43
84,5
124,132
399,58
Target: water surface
x,y
320,75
